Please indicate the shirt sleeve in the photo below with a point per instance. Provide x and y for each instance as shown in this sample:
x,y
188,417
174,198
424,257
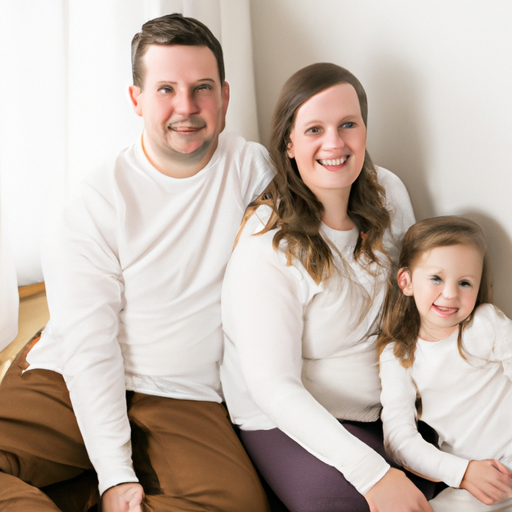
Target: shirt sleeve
x,y
84,287
256,170
401,436
491,338
263,306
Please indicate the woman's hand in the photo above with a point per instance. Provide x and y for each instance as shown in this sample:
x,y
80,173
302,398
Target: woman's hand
x,y
123,498
488,480
396,493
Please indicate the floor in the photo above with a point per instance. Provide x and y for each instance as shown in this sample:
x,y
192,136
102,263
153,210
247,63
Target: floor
x,y
33,316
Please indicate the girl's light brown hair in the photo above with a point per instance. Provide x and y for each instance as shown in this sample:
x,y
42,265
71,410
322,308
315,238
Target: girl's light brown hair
x,y
296,211
401,321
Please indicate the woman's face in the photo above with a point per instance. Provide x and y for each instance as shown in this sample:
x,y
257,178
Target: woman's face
x,y
328,140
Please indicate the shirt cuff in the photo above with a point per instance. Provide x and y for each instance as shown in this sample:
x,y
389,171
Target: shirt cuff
x,y
111,476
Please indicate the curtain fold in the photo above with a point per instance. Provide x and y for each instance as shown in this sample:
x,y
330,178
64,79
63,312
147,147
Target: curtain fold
x,y
63,97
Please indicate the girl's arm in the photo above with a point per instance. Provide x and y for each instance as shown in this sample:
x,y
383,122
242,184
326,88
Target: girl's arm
x,y
401,436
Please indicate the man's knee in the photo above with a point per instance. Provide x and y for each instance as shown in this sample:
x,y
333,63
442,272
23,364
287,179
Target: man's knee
x,y
246,494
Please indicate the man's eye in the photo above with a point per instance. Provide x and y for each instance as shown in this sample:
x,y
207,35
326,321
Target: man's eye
x,y
348,125
204,87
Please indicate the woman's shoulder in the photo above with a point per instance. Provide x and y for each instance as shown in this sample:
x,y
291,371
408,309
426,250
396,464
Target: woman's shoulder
x,y
254,243
255,251
396,191
398,202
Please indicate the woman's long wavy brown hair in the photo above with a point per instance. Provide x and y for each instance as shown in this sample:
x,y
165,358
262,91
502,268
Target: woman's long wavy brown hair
x,y
296,211
401,321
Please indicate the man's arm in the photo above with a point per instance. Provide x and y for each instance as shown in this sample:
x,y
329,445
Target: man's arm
x,y
85,290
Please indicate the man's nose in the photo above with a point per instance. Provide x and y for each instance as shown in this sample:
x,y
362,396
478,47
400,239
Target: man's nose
x,y
185,103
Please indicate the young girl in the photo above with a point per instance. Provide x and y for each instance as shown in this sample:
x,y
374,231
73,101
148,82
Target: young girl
x,y
446,356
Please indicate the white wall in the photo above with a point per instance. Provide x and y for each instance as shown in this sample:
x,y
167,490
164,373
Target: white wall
x,y
438,75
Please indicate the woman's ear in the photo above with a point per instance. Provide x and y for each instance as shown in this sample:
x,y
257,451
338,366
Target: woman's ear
x,y
404,281
289,150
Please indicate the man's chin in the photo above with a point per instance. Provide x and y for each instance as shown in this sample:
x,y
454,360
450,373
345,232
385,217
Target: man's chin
x,y
193,152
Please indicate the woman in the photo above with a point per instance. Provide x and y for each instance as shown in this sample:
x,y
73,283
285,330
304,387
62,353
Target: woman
x,y
301,297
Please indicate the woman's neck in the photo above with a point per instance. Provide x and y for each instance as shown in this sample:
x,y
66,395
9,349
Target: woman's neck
x,y
335,214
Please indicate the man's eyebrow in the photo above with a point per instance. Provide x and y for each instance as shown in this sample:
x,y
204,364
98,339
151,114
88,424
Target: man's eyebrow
x,y
171,82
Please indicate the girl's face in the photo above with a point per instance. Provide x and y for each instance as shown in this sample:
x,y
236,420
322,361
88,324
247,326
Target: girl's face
x,y
444,283
328,140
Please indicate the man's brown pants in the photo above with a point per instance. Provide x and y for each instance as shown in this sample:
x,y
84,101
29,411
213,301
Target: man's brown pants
x,y
186,454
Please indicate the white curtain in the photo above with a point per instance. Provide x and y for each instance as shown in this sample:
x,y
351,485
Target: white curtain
x,y
8,292
63,103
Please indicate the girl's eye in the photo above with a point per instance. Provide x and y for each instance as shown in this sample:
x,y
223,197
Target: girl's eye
x,y
348,125
465,284
435,279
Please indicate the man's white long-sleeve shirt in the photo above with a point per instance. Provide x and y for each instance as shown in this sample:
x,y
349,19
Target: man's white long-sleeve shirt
x,y
133,270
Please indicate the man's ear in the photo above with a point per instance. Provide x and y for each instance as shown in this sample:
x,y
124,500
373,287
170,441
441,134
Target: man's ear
x,y
404,281
225,92
134,93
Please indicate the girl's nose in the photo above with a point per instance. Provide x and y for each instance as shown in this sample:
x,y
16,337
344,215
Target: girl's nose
x,y
450,290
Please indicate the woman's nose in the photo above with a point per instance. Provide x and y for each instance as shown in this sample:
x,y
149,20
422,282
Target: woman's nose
x,y
333,139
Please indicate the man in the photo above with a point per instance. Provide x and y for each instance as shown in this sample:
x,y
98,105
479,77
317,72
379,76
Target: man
x,y
133,274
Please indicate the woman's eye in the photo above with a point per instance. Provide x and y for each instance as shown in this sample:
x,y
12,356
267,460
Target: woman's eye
x,y
315,130
166,90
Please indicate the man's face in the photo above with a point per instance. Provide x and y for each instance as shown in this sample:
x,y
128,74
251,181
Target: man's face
x,y
183,105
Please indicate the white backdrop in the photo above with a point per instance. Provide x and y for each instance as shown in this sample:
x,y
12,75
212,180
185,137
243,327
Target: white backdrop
x,y
438,74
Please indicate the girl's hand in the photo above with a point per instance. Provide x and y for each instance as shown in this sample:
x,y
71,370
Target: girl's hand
x,y
488,480
396,493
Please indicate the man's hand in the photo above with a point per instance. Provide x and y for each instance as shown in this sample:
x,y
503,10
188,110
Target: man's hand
x,y
123,498
488,480
396,493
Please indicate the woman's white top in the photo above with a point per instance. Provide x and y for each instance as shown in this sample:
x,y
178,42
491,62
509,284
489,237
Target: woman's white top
x,y
467,401
299,355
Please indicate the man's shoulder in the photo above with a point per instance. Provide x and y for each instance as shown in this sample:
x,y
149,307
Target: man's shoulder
x,y
237,149
109,170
